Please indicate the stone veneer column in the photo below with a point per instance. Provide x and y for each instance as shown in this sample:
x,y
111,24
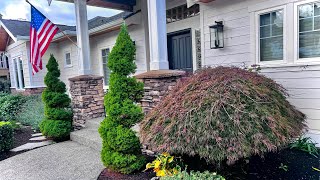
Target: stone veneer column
x,y
87,96
156,85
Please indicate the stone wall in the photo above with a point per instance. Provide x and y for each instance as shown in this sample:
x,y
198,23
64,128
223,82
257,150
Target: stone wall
x,y
156,86
28,91
87,96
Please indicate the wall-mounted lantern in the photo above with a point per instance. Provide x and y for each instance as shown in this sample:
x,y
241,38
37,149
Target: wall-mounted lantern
x,y
216,35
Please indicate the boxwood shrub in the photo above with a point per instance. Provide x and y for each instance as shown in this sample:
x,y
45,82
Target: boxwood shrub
x,y
223,113
6,136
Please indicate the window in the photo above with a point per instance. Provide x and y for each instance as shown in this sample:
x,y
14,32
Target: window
x,y
3,61
182,12
68,59
271,36
18,73
106,71
309,30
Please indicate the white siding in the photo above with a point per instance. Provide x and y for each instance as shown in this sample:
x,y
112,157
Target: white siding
x,y
302,82
19,49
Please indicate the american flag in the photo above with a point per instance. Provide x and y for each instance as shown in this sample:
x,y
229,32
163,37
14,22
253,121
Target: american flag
x,y
42,30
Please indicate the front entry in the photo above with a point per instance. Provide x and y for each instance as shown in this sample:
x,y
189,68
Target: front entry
x,y
180,51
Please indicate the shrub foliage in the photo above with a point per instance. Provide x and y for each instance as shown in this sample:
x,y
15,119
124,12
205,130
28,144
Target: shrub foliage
x,y
121,147
10,106
223,113
58,116
6,136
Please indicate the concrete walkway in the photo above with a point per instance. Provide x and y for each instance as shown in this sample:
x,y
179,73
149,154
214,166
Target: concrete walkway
x,y
62,161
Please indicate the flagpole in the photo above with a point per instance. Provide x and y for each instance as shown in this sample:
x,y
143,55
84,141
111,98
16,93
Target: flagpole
x,y
69,39
29,2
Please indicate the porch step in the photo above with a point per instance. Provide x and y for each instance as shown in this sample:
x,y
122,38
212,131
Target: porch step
x,y
89,136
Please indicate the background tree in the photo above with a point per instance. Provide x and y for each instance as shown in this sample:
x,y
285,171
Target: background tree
x,y
58,116
121,147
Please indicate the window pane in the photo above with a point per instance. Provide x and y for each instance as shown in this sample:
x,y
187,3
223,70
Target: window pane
x,y
305,24
16,73
271,49
21,71
277,17
305,11
265,31
106,71
309,44
277,29
317,23
265,19
317,8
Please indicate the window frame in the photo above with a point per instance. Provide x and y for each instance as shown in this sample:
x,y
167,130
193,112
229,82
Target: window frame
x,y
296,24
19,83
65,59
102,64
257,37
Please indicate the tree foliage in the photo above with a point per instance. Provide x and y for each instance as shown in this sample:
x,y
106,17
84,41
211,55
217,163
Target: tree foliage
x,y
58,115
223,114
121,147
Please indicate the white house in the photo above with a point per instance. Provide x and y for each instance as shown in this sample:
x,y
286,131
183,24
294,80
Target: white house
x,y
283,37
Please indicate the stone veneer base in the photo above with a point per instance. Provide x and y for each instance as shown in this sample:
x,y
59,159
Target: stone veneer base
x,y
157,84
87,96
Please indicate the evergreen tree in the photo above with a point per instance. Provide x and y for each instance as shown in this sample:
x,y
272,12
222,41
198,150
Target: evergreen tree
x,y
58,116
121,147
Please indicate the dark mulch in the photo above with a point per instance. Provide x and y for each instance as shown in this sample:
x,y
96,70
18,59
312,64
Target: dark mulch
x,y
21,136
299,167
110,175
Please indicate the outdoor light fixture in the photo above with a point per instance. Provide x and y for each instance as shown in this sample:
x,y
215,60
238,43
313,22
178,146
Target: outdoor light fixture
x,y
216,35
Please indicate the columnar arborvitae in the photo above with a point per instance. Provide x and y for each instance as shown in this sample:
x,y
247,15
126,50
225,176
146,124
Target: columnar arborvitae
x,y
58,116
121,147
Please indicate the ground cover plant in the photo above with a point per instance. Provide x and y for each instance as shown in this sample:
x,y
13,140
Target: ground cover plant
x,y
58,115
121,147
223,114
32,112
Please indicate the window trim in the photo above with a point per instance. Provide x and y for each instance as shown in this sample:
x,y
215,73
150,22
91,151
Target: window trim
x,y
257,35
101,62
16,61
65,60
298,60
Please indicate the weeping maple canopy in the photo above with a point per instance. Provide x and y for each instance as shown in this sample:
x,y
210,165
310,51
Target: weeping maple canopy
x,y
222,113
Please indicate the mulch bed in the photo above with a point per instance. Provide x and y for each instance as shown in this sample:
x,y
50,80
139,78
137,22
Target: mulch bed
x,y
287,164
21,137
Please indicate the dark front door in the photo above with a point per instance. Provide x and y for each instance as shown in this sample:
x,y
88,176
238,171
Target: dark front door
x,y
180,51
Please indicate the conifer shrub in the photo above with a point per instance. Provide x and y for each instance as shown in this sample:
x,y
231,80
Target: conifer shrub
x,y
58,115
223,114
121,147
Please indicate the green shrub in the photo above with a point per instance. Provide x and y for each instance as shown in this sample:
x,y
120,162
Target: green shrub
x,y
57,123
5,86
305,144
121,147
223,114
32,112
184,175
6,136
10,106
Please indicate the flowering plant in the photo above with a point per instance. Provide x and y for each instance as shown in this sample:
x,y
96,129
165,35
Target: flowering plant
x,y
164,165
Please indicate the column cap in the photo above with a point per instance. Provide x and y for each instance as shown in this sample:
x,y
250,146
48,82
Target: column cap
x,y
86,78
157,74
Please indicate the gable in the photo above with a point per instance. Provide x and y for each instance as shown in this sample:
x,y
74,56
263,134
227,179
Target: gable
x,y
4,37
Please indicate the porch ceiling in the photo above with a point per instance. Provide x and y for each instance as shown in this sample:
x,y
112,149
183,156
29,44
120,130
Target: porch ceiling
x,y
125,5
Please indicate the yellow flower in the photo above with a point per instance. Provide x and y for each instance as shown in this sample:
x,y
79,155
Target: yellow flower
x,y
175,171
165,154
148,166
157,164
170,159
161,173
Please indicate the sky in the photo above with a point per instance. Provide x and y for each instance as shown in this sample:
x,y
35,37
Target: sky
x,y
58,12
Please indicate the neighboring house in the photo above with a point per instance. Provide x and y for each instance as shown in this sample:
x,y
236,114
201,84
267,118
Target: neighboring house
x,y
4,60
281,36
